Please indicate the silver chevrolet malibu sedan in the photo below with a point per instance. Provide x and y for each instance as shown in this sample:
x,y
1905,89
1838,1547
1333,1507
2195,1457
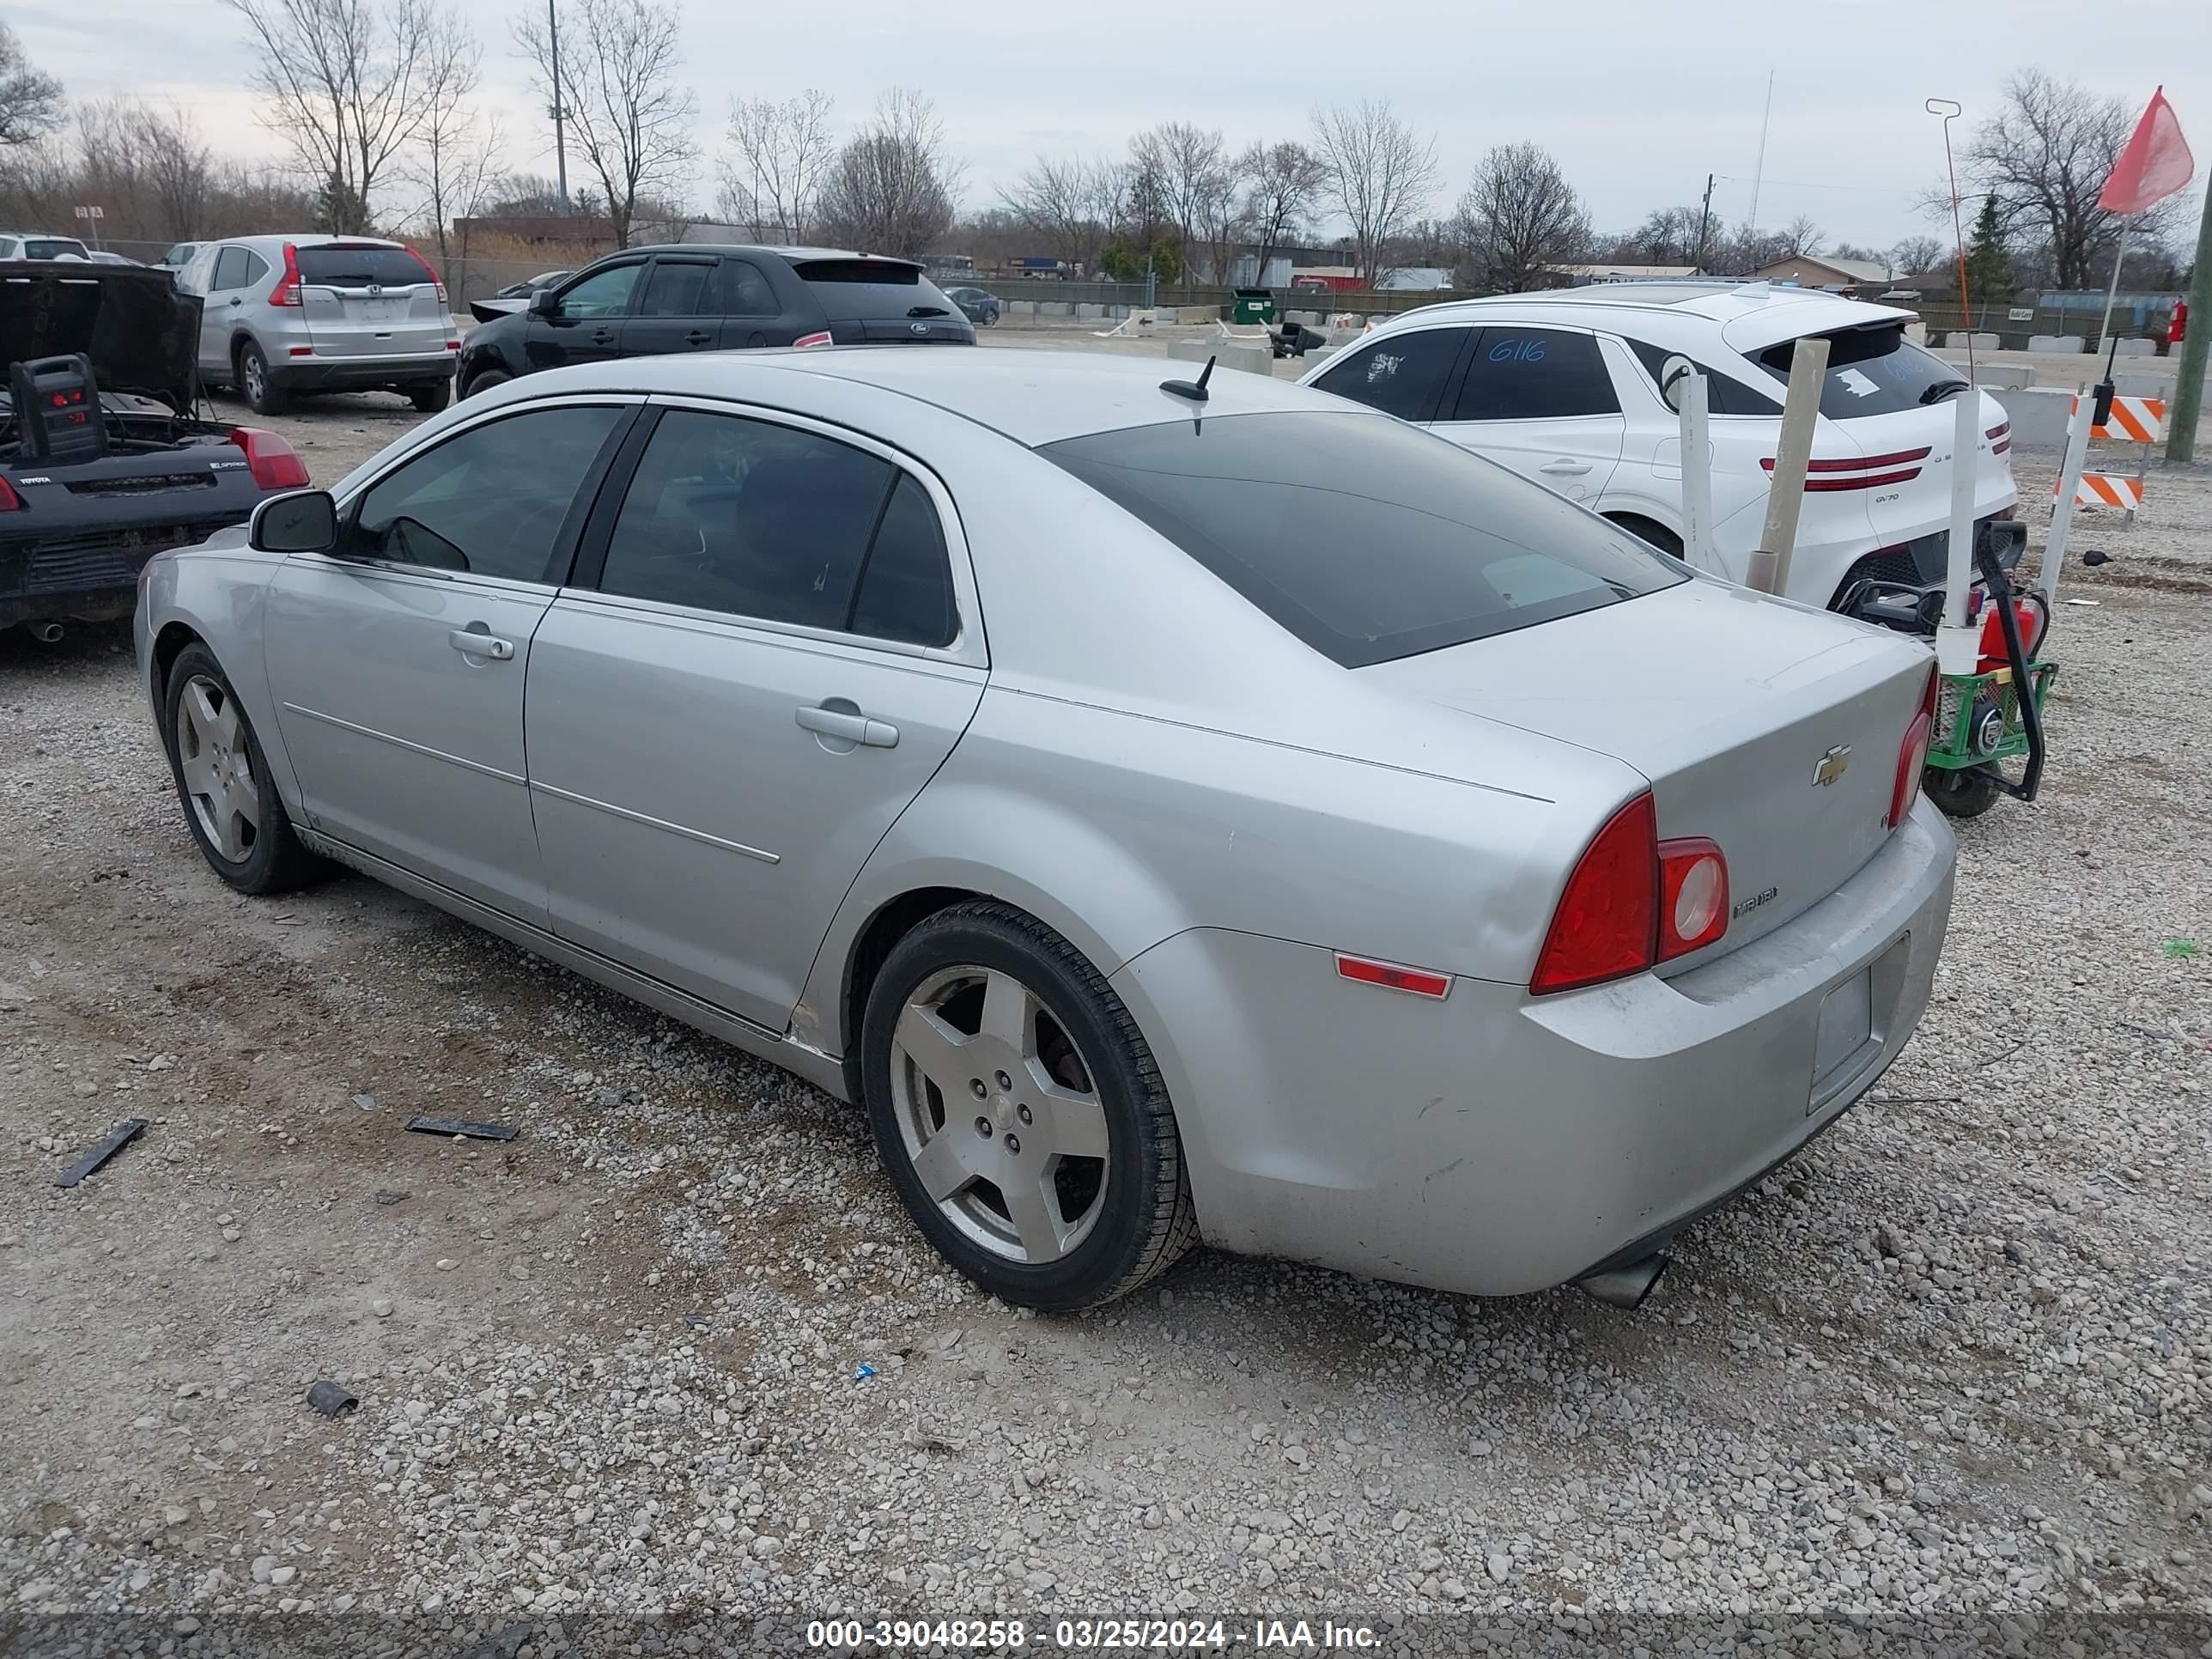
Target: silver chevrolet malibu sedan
x,y
1239,817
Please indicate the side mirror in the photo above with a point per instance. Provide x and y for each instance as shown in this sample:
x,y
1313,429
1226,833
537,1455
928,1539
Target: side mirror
x,y
305,521
545,302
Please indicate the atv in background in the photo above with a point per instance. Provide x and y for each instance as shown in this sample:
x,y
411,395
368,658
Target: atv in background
x,y
102,461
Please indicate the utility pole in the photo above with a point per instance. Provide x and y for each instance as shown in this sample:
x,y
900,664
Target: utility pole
x,y
2189,387
560,148
1704,221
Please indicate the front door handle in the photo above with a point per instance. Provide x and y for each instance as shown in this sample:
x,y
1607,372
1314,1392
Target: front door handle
x,y
698,336
475,642
848,724
1566,467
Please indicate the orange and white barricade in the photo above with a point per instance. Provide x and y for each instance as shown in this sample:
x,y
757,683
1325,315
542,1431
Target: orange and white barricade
x,y
2133,420
2106,489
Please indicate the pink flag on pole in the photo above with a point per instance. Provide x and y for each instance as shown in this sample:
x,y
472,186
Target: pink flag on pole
x,y
2155,163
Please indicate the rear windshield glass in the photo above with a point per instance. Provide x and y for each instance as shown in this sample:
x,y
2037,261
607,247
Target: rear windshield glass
x,y
853,290
359,267
1367,539
1871,371
43,247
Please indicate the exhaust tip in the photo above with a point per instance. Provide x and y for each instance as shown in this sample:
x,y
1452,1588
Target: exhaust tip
x,y
45,632
1626,1287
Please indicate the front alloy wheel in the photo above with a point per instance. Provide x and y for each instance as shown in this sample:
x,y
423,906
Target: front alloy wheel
x,y
217,769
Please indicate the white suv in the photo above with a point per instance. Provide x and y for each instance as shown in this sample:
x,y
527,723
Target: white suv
x,y
1565,388
283,315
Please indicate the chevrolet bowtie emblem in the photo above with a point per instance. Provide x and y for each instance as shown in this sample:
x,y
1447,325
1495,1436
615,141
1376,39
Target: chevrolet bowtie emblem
x,y
1831,766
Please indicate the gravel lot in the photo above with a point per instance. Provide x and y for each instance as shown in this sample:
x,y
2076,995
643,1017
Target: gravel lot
x,y
677,1352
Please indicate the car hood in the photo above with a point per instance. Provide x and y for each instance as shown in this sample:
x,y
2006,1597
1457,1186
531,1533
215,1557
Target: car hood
x,y
491,310
140,332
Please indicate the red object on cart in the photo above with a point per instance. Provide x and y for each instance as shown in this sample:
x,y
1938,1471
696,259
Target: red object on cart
x,y
2179,326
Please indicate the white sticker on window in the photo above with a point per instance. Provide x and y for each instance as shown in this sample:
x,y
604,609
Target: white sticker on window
x,y
1858,384
1382,365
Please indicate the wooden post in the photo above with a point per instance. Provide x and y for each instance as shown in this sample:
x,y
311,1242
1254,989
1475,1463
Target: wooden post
x,y
1689,390
1769,571
1958,643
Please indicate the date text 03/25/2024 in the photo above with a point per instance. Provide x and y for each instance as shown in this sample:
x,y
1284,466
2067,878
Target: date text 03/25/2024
x,y
1093,1635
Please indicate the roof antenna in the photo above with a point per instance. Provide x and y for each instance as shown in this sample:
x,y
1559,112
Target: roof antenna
x,y
1193,390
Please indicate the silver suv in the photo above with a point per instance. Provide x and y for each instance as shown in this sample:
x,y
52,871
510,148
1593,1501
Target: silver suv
x,y
285,315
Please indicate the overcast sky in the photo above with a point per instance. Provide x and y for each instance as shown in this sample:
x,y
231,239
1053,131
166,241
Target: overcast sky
x,y
1638,100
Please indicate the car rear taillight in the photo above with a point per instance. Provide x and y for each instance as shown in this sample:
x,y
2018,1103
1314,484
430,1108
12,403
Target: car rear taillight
x,y
1830,475
1633,901
1913,755
431,274
273,462
806,340
1693,897
287,291
9,500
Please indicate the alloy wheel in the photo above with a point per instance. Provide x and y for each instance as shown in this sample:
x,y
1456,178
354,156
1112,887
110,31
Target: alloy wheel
x,y
217,765
999,1114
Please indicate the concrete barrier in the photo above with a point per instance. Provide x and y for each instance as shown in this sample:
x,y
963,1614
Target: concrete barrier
x,y
2038,414
2002,377
1089,308
2138,348
1054,308
1025,309
1916,332
1304,319
2055,343
1977,342
1233,354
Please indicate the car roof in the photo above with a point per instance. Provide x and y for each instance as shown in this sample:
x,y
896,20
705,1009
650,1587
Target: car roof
x,y
1034,396
1758,310
781,252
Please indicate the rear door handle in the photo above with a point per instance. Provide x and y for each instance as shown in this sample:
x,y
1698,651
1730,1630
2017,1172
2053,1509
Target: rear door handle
x,y
853,726
1566,467
474,642
698,336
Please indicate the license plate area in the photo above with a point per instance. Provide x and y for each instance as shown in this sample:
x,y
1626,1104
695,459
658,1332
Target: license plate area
x,y
376,311
1854,1023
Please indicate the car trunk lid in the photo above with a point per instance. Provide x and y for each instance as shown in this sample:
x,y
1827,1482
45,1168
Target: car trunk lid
x,y
368,300
883,301
1772,730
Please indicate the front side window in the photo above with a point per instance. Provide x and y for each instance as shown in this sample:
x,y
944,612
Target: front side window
x,y
747,518
1400,375
602,293
1535,374
1365,538
490,502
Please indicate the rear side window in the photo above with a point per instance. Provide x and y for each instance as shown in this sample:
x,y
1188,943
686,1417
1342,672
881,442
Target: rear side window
x,y
344,265
748,518
745,291
1403,374
1366,539
679,289
1871,371
256,269
229,269
906,591
1535,374
1724,395
854,290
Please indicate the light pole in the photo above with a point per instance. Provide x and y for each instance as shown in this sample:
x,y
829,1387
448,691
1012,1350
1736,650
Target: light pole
x,y
560,147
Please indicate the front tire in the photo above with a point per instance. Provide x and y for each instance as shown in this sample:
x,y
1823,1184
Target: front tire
x,y
231,804
485,381
263,395
429,399
1019,1113
1964,792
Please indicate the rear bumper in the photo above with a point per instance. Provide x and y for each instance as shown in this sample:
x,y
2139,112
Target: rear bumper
x,y
93,575
1495,1143
362,373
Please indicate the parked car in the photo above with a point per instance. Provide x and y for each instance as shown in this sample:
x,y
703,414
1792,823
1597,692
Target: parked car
x,y
101,256
1289,849
38,244
180,255
692,297
978,304
290,315
530,285
96,479
1567,388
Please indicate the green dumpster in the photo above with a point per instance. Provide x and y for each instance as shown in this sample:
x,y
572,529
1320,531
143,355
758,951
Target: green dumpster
x,y
1254,305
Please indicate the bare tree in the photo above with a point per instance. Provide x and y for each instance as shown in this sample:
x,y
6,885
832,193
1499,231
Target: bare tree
x,y
1800,238
1382,174
346,84
891,189
2045,156
1916,254
1196,182
1284,186
146,166
1061,202
30,101
457,165
1519,217
618,62
779,152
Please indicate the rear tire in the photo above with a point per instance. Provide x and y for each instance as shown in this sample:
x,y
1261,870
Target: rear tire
x,y
263,395
984,1031
484,381
429,399
230,801
1966,792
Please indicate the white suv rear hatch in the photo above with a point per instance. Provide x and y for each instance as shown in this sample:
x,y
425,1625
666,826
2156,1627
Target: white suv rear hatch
x,y
361,299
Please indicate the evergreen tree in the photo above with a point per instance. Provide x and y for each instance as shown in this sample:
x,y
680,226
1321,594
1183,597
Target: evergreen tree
x,y
1989,267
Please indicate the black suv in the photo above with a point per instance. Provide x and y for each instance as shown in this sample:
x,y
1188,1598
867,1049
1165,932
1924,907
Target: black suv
x,y
695,298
